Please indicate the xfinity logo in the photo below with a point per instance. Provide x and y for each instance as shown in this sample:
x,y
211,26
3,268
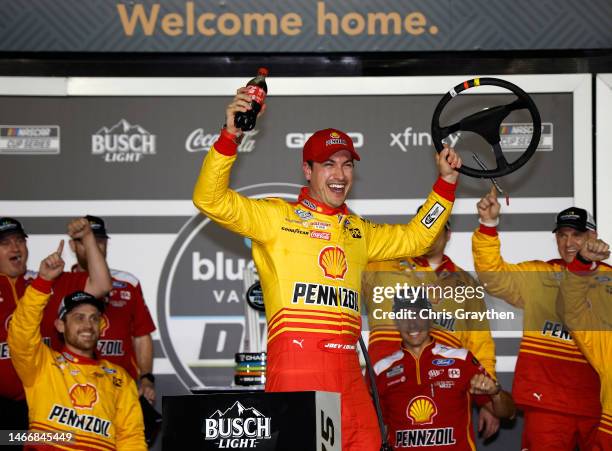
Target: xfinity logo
x,y
297,140
409,138
199,141
123,143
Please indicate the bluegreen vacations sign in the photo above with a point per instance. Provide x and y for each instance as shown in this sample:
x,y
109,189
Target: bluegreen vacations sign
x,y
245,26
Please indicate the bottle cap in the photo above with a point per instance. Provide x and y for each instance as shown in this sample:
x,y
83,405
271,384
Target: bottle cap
x,y
262,71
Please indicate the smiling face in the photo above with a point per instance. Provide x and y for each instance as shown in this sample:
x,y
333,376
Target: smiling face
x,y
81,329
414,332
330,182
569,241
13,255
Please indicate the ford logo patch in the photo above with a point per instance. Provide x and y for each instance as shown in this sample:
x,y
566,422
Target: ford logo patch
x,y
443,362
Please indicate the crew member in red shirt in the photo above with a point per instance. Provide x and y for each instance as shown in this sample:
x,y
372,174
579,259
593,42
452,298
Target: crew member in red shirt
x,y
426,388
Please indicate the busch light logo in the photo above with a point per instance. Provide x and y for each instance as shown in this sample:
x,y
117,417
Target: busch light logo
x,y
198,141
123,143
201,297
238,427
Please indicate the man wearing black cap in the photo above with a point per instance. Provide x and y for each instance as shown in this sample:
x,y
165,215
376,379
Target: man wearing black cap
x,y
310,255
425,387
13,281
72,391
554,383
127,324
432,269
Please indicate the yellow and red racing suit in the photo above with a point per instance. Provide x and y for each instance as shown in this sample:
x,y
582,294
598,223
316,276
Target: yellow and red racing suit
x,y
94,400
551,373
471,334
310,258
585,304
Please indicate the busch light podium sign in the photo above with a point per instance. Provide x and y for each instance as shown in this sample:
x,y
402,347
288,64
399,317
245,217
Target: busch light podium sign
x,y
252,420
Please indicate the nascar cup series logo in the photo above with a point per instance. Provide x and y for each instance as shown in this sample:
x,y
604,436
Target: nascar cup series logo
x,y
238,427
123,143
200,306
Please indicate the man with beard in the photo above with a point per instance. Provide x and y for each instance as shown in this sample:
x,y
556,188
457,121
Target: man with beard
x,y
72,392
14,278
126,324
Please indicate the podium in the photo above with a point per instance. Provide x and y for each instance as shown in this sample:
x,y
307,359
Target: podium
x,y
252,420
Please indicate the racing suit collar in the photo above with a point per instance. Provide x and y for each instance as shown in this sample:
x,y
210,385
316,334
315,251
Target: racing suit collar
x,y
71,357
446,265
426,350
308,202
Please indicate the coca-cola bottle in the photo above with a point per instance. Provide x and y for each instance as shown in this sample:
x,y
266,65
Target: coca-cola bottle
x,y
257,89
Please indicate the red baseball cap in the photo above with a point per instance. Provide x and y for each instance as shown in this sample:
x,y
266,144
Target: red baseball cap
x,y
324,143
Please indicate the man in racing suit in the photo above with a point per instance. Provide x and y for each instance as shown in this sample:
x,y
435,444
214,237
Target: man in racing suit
x,y
310,255
425,387
435,269
125,332
14,278
553,382
72,391
585,304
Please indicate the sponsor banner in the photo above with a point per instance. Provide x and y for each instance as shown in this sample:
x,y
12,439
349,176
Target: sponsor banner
x,y
152,147
245,26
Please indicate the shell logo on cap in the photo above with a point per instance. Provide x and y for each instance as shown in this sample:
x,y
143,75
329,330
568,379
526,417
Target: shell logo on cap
x,y
421,410
333,262
104,324
334,135
83,396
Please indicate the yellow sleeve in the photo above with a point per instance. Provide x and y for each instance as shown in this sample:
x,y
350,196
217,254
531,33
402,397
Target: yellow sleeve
x,y
393,241
501,279
129,423
253,218
28,352
477,337
588,327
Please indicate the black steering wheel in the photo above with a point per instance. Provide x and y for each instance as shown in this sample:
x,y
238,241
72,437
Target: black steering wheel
x,y
486,123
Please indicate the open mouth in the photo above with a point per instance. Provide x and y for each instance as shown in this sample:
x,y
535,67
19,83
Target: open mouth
x,y
337,188
15,259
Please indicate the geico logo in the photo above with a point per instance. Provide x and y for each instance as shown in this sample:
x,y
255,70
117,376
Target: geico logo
x,y
220,269
4,350
316,294
123,143
258,427
198,141
110,347
297,140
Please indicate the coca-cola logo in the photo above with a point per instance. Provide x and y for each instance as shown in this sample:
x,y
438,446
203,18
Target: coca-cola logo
x,y
200,141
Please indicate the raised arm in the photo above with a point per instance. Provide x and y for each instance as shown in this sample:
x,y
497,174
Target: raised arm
x,y
387,242
212,195
99,282
24,338
502,279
